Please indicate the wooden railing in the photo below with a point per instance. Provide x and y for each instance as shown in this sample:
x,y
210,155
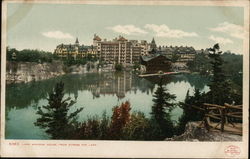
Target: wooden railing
x,y
225,115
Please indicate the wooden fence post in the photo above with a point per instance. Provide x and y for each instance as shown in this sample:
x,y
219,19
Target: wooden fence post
x,y
222,119
206,118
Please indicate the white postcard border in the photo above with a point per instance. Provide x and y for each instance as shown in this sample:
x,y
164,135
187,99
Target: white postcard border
x,y
146,149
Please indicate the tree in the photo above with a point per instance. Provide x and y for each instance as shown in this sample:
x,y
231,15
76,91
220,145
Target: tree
x,y
161,110
219,88
136,66
137,128
28,55
118,67
200,64
104,126
233,67
190,113
120,117
89,129
55,117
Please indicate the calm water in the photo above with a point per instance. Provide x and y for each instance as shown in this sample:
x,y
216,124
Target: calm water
x,y
96,92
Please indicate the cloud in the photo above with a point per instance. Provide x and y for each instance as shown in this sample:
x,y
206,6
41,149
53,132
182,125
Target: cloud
x,y
164,31
57,35
127,29
233,30
220,40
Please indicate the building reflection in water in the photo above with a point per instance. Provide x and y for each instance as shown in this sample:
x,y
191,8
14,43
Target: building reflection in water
x,y
112,84
119,84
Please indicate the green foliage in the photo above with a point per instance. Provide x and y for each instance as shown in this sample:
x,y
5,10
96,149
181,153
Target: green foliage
x,y
190,113
200,64
90,129
104,126
70,60
161,110
122,125
38,56
219,88
233,67
226,70
54,117
136,66
119,67
155,131
137,128
28,55
222,90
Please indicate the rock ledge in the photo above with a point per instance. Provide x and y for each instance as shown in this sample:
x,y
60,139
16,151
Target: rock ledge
x,y
195,133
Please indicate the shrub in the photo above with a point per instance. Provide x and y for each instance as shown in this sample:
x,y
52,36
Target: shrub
x,y
119,67
119,119
137,127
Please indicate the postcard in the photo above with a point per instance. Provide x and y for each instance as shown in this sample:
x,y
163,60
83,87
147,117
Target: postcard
x,y
131,79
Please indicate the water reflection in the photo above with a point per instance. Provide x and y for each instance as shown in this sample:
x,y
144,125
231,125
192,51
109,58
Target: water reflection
x,y
96,92
22,95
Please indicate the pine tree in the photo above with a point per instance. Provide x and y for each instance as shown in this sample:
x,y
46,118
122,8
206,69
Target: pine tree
x,y
187,98
55,118
190,113
161,110
185,115
219,87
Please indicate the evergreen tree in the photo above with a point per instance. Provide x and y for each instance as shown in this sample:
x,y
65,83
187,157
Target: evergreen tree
x,y
200,63
219,87
190,113
55,116
185,115
161,110
104,126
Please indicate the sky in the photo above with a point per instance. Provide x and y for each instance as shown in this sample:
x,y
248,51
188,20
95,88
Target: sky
x,y
44,26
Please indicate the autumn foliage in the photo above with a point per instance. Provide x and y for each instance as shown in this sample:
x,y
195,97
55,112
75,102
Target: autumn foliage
x,y
121,125
120,117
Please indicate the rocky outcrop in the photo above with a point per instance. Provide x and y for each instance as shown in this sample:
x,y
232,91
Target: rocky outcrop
x,y
22,72
195,133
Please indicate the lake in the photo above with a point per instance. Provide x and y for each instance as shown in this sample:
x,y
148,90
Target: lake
x,y
96,92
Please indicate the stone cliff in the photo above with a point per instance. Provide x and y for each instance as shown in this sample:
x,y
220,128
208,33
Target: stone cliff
x,y
22,72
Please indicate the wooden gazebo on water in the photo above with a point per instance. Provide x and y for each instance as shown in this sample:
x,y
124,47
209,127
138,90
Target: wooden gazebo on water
x,y
225,118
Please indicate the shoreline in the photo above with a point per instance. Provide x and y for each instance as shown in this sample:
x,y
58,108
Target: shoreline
x,y
24,72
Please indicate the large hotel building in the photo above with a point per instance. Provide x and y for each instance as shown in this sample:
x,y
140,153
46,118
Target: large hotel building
x,y
74,50
120,50
124,51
